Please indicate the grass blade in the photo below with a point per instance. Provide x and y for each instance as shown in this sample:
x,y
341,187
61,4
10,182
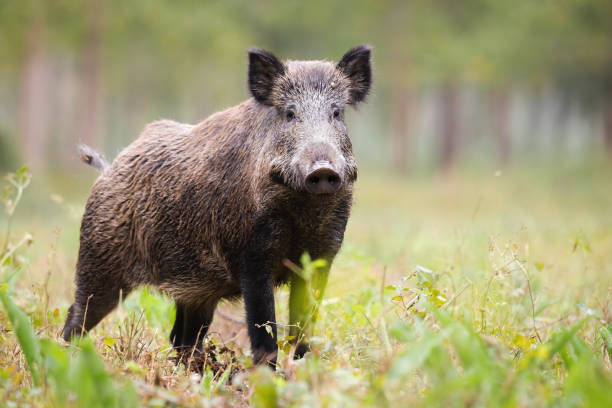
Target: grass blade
x,y
25,334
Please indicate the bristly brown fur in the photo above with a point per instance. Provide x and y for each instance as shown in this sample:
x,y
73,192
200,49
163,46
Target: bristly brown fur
x,y
210,211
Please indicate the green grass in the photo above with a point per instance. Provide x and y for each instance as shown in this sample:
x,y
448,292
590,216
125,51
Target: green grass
x,y
475,289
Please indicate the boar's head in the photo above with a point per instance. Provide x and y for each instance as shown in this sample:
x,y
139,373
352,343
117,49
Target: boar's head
x,y
311,151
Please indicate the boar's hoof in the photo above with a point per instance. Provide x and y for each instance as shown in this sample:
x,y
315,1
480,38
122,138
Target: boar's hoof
x,y
301,349
263,357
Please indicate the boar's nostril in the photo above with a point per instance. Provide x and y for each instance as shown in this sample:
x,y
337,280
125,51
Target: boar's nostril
x,y
322,180
333,179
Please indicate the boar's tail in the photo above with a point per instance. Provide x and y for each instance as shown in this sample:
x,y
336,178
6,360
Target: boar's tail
x,y
93,158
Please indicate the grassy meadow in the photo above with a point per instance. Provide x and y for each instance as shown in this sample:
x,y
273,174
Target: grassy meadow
x,y
483,287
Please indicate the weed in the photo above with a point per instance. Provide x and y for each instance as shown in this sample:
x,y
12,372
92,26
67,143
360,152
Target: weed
x,y
444,306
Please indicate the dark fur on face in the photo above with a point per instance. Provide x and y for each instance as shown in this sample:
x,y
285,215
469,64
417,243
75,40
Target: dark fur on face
x,y
212,211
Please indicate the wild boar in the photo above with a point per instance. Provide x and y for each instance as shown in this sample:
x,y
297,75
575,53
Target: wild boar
x,y
213,211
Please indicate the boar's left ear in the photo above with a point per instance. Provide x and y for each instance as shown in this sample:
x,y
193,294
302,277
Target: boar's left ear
x,y
264,68
355,64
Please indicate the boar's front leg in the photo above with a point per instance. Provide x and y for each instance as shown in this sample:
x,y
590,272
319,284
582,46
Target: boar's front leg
x,y
258,297
257,287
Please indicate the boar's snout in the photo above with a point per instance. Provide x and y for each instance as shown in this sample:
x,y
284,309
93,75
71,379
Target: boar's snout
x,y
322,178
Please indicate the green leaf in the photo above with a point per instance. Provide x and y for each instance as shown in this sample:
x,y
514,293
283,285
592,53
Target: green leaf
x,y
415,355
588,383
606,335
22,173
93,386
135,368
56,363
424,275
265,394
224,377
109,341
25,334
206,386
559,341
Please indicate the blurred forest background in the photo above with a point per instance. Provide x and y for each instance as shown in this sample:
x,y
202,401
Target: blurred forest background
x,y
476,268
456,82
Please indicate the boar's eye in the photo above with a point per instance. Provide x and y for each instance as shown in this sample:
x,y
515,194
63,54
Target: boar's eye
x,y
290,115
336,113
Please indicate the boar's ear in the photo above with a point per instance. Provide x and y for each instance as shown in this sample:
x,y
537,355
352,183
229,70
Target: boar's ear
x,y
355,64
264,68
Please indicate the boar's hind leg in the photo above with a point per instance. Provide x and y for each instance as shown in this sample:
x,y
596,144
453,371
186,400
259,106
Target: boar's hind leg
x,y
95,298
191,325
176,335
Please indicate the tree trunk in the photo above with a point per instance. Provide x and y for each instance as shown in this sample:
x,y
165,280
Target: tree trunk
x,y
499,122
33,101
89,128
449,114
561,119
401,115
608,127
401,87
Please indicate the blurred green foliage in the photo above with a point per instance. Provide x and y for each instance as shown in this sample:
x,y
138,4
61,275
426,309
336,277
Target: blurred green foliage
x,y
185,59
480,40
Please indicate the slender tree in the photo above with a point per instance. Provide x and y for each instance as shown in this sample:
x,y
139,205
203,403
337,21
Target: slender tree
x,y
34,95
91,84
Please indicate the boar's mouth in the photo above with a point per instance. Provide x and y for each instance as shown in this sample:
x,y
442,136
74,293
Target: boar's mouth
x,y
288,181
282,178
